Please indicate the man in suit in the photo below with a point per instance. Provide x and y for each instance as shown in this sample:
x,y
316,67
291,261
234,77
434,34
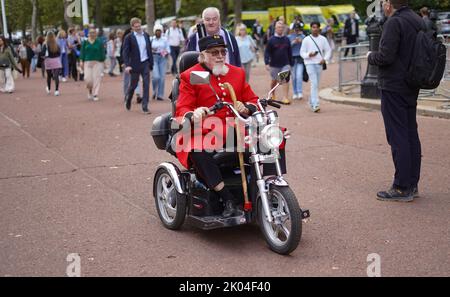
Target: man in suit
x,y
351,32
211,20
138,61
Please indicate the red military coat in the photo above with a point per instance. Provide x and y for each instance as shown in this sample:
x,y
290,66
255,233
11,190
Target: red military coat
x,y
193,96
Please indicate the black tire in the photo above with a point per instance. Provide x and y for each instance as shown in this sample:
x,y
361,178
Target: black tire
x,y
295,215
179,199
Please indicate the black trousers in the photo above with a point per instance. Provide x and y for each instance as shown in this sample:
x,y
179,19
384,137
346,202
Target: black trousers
x,y
73,65
399,115
174,53
350,40
207,168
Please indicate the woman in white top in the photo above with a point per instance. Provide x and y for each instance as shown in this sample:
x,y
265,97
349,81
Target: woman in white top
x,y
161,50
247,49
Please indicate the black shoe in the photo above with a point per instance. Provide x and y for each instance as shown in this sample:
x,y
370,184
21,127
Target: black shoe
x,y
146,111
154,97
128,102
139,100
229,210
160,99
395,194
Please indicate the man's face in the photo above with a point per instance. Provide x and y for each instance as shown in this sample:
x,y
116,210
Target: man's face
x,y
279,28
137,27
212,22
215,56
387,7
315,29
92,34
174,24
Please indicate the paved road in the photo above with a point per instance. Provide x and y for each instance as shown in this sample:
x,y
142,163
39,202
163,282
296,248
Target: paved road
x,y
76,177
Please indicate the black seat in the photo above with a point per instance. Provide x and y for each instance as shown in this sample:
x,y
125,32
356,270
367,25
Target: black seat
x,y
185,61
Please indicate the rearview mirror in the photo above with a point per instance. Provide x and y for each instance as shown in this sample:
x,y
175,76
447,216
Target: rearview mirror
x,y
199,77
284,77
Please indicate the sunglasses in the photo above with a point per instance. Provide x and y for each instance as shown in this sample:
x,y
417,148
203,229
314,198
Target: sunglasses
x,y
215,53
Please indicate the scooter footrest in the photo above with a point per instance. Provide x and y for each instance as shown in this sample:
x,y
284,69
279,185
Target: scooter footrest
x,y
215,222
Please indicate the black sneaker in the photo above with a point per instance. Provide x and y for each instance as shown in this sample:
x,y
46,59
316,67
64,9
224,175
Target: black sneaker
x,y
229,210
138,100
128,102
395,194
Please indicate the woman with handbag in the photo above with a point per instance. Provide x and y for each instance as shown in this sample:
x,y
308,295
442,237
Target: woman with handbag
x,y
316,52
7,63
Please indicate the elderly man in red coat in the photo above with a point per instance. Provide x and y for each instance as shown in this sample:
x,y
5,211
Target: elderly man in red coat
x,y
194,102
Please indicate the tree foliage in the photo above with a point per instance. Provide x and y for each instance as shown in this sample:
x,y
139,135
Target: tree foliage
x,y
113,12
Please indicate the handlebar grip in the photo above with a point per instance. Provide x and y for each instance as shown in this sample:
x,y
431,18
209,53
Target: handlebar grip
x,y
273,104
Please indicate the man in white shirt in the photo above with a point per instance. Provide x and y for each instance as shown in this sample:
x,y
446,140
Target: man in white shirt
x,y
315,52
176,39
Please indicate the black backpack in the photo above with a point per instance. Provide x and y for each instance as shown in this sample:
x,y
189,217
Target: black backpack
x,y
427,65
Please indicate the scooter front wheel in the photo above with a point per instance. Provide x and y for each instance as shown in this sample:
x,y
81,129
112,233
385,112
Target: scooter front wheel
x,y
171,205
283,234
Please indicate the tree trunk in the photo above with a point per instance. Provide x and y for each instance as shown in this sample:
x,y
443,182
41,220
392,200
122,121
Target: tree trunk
x,y
150,15
237,12
98,15
224,12
67,18
34,21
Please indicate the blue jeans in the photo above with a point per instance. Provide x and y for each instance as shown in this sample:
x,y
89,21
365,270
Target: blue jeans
x,y
34,63
159,75
297,78
126,84
314,72
65,65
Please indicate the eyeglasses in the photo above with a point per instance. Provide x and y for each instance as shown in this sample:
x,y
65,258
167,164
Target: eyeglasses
x,y
215,53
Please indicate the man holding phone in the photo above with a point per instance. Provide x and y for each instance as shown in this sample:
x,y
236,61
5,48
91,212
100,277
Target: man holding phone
x,y
315,52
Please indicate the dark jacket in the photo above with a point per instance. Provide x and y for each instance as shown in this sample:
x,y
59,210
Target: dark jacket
x,y
232,46
278,52
395,52
132,55
348,28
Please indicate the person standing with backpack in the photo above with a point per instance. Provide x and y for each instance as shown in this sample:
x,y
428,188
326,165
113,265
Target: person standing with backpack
x,y
398,98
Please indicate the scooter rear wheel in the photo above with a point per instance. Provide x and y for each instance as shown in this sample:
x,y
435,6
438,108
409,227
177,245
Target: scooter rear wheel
x,y
170,204
283,234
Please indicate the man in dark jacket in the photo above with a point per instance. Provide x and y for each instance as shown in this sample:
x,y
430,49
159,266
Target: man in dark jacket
x,y
398,100
351,32
138,61
211,19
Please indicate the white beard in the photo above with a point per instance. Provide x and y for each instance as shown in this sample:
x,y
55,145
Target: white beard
x,y
220,70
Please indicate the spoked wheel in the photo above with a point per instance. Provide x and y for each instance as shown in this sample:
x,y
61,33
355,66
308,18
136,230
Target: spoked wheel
x,y
170,204
283,234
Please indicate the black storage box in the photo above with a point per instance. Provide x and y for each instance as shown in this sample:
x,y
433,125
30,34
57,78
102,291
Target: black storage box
x,y
161,130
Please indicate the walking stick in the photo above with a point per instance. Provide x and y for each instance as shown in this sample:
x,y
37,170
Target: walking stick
x,y
247,204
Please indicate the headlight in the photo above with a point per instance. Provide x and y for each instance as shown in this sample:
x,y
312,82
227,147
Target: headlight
x,y
271,137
